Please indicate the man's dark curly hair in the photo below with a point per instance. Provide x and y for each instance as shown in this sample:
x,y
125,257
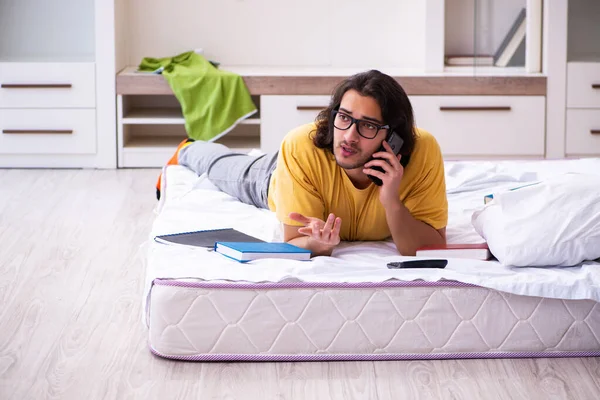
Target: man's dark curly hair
x,y
396,109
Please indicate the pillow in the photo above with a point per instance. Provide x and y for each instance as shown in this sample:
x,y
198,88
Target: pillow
x,y
552,223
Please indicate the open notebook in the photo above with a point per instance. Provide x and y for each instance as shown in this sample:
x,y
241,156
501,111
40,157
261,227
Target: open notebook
x,y
206,238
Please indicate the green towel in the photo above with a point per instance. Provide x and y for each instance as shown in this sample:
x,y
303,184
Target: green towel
x,y
213,101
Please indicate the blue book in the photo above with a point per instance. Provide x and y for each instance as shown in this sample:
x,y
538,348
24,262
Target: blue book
x,y
245,251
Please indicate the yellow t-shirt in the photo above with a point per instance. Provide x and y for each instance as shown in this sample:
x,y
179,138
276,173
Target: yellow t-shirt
x,y
308,180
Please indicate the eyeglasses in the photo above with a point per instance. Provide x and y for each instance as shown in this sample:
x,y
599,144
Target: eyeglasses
x,y
366,129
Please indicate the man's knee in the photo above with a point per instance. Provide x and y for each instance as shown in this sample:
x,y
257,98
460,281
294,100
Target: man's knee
x,y
200,156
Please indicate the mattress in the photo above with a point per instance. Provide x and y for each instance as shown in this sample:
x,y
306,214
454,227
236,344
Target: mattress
x,y
202,321
201,306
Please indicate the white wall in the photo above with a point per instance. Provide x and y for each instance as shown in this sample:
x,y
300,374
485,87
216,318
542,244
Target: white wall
x,y
122,34
319,33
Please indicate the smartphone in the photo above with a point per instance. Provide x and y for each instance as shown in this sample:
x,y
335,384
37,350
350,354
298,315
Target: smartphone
x,y
395,142
419,264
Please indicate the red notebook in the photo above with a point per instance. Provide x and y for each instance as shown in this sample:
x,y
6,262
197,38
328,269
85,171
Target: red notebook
x,y
477,251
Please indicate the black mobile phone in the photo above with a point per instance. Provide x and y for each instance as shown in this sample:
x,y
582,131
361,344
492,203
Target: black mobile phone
x,y
419,264
395,141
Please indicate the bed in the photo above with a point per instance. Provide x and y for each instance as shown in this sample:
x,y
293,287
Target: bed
x,y
201,306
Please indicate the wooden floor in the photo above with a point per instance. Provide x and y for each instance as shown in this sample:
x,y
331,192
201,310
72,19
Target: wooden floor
x,y
70,326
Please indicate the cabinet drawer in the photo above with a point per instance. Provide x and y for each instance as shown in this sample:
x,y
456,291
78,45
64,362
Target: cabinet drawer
x,y
583,85
281,114
47,131
483,126
583,132
47,85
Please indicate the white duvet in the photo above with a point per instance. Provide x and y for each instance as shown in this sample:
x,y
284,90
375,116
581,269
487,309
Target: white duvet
x,y
192,203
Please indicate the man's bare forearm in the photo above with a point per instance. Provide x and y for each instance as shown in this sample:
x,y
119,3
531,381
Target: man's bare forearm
x,y
408,233
316,248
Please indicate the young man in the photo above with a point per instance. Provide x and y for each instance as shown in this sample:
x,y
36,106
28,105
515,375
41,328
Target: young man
x,y
318,183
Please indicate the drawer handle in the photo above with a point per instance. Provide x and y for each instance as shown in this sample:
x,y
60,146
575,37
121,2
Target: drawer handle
x,y
475,108
310,108
595,131
595,85
37,131
36,86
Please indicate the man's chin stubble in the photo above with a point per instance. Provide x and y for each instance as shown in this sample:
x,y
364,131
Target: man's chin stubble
x,y
350,166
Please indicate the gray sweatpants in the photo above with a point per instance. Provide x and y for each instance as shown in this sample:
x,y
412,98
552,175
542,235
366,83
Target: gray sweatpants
x,y
237,174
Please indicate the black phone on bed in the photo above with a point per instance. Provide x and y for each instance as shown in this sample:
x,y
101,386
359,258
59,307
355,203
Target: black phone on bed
x,y
440,264
395,141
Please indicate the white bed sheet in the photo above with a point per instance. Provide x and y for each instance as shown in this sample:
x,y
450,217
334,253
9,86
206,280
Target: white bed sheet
x,y
192,203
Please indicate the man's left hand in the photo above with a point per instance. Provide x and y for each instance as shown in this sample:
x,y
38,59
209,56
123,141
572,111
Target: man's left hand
x,y
390,163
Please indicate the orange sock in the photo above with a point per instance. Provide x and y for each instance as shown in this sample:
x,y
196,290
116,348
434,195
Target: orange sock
x,y
174,160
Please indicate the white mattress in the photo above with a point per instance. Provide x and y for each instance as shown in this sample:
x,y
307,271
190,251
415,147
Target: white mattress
x,y
311,321
202,306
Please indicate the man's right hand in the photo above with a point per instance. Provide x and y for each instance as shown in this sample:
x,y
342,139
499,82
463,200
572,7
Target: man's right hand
x,y
324,235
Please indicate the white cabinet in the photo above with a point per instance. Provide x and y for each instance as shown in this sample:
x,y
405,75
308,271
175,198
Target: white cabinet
x,y
583,109
583,85
57,102
582,118
465,126
483,126
47,131
583,132
46,109
281,114
47,85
